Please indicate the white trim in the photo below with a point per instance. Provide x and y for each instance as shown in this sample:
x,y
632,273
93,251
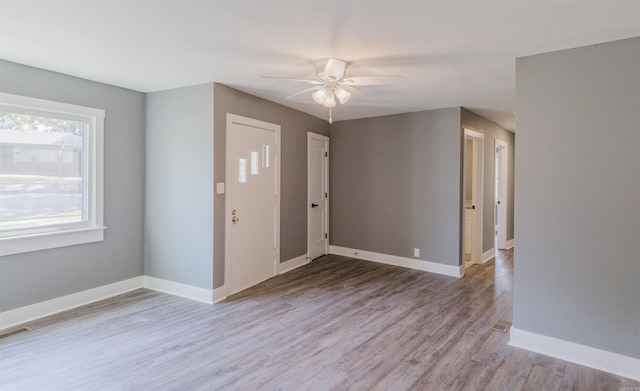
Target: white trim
x,y
478,193
488,255
427,266
510,244
325,169
219,294
91,229
602,360
48,240
501,148
39,310
228,272
291,264
35,311
178,289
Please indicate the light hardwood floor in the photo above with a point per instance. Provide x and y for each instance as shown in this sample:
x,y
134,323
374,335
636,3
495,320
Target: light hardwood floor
x,y
335,324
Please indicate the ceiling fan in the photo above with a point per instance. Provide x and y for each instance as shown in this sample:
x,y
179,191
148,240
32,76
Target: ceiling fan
x,y
332,85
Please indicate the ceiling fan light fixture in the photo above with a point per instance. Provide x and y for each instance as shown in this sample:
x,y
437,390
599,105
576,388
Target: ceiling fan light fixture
x,y
331,85
342,95
329,101
320,96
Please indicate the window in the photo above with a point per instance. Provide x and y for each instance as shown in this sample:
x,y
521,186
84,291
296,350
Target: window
x,y
51,174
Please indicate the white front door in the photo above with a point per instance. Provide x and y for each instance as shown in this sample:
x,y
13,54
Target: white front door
x,y
318,193
252,206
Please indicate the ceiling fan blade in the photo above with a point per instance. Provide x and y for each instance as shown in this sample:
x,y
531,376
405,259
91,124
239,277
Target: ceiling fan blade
x,y
354,91
291,79
372,80
335,68
305,91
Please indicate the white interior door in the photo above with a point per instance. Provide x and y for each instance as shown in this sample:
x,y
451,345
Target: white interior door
x,y
251,203
501,165
469,201
474,209
318,195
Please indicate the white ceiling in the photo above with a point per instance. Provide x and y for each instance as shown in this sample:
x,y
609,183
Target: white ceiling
x,y
453,53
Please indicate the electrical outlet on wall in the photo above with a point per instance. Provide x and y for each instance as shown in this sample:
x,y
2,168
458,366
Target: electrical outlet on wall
x,y
416,252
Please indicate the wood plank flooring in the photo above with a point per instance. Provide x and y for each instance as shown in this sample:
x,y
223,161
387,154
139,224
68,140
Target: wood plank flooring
x,y
335,324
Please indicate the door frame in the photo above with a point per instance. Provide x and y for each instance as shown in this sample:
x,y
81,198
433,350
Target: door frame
x,y
228,269
325,139
477,191
501,147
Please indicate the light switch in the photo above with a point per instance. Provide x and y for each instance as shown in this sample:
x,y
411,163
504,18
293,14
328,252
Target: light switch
x,y
220,188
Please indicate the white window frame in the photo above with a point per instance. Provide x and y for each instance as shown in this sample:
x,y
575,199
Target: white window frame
x,y
88,231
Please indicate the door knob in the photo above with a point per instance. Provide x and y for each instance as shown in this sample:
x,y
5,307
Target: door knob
x,y
234,218
314,205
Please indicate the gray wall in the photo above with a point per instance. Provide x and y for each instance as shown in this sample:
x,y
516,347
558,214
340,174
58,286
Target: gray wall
x,y
179,185
492,131
578,196
43,275
293,188
395,184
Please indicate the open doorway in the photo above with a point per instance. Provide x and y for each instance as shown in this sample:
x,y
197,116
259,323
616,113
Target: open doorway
x,y
473,196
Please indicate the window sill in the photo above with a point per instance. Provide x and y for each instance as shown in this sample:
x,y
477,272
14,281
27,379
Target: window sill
x,y
49,240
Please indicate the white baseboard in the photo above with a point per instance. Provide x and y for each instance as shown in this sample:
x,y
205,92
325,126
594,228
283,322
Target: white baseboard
x,y
427,266
178,289
35,311
291,264
488,255
219,294
602,360
510,244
